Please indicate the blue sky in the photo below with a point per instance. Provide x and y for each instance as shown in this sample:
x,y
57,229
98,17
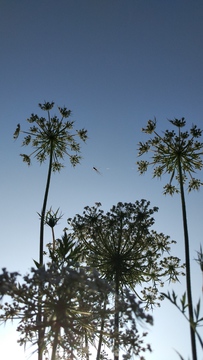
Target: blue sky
x,y
115,64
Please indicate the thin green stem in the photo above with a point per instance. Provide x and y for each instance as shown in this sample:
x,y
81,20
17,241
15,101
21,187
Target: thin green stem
x,y
116,323
101,336
187,261
53,238
41,251
44,208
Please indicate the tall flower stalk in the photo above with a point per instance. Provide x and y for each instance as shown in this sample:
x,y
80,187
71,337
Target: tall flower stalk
x,y
179,155
51,139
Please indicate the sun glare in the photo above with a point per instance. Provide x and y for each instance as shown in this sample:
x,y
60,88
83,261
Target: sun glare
x,y
10,349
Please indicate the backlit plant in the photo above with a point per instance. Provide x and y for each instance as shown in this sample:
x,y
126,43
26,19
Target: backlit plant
x,y
126,252
51,138
178,154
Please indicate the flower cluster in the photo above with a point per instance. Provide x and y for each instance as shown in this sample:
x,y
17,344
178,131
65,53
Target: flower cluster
x,y
175,153
71,306
7,282
52,137
123,248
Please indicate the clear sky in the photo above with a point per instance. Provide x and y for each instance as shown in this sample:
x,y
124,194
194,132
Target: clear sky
x,y
115,64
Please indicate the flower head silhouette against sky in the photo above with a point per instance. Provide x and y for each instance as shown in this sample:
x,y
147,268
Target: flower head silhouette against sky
x,y
171,150
53,137
126,251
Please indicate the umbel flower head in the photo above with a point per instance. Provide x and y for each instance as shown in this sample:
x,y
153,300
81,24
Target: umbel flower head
x,y
121,246
52,137
177,153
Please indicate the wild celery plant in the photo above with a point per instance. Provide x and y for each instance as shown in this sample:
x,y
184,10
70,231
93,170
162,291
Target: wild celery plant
x,y
121,246
178,154
72,306
51,139
71,302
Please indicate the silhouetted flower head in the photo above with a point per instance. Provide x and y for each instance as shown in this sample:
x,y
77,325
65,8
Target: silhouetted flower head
x,y
52,136
173,152
121,246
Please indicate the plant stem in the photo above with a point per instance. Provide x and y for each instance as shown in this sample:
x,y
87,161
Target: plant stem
x,y
187,261
86,345
41,251
40,337
116,323
101,336
55,343
53,238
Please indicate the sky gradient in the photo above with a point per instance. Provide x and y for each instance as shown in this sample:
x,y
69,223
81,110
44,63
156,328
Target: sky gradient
x,y
116,64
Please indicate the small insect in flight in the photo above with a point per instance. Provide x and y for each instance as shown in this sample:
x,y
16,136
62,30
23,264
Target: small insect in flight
x,y
97,171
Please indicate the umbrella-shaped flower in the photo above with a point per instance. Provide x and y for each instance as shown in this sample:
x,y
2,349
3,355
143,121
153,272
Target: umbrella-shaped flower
x,y
177,154
121,246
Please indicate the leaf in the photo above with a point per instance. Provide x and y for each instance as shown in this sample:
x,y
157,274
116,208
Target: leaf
x,y
199,260
174,296
196,311
183,300
179,355
199,338
37,264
